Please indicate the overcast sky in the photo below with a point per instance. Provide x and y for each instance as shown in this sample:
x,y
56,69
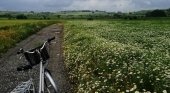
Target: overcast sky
x,y
60,5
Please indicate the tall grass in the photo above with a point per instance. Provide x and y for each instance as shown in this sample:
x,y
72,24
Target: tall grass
x,y
10,34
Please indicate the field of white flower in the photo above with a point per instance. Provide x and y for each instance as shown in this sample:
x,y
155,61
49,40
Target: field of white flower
x,y
118,56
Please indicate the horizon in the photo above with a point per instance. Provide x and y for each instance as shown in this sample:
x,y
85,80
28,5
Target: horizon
x,y
105,5
79,10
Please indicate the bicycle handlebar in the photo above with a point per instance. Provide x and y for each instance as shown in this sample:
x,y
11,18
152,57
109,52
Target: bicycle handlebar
x,y
27,67
48,40
20,51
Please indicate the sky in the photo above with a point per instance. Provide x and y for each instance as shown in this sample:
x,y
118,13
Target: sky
x,y
62,5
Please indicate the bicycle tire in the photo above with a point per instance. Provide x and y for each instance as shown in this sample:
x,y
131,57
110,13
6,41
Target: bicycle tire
x,y
50,85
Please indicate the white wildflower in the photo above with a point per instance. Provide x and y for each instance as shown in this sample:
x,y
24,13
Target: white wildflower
x,y
157,79
137,92
127,91
164,91
134,87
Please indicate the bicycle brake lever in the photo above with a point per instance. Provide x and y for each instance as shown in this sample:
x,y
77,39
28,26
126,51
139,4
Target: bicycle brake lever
x,y
21,50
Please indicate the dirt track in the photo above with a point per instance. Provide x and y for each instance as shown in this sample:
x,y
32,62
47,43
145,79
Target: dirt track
x,y
9,77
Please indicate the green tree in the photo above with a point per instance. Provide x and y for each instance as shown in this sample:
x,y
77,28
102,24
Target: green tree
x,y
8,15
58,16
156,13
21,16
168,12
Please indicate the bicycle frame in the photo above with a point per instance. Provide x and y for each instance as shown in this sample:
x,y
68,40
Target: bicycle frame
x,y
42,60
42,72
41,81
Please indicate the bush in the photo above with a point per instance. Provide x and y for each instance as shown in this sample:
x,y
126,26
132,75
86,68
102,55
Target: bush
x,y
90,18
21,16
156,13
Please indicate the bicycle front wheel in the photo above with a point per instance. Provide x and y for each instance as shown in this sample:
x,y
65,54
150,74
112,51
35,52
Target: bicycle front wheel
x,y
50,86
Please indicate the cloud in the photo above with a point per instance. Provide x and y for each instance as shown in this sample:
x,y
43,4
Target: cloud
x,y
107,5
119,5
35,5
20,5
151,4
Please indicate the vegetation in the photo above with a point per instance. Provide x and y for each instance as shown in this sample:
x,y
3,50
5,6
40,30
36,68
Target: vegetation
x,y
85,14
8,23
118,56
110,56
21,16
14,31
156,13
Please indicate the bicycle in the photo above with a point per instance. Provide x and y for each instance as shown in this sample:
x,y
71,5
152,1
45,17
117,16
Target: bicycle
x,y
38,55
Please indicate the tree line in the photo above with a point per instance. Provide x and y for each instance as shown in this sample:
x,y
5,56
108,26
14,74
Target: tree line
x,y
92,15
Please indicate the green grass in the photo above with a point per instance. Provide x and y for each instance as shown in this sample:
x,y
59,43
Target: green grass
x,y
118,56
16,22
13,31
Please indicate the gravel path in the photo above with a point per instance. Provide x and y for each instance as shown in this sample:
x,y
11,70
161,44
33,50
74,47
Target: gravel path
x,y
10,78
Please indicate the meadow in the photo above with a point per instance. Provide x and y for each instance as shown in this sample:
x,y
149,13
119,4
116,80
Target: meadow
x,y
113,56
106,56
16,22
13,31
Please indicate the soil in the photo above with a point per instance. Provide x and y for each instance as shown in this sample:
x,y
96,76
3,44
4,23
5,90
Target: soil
x,y
10,78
